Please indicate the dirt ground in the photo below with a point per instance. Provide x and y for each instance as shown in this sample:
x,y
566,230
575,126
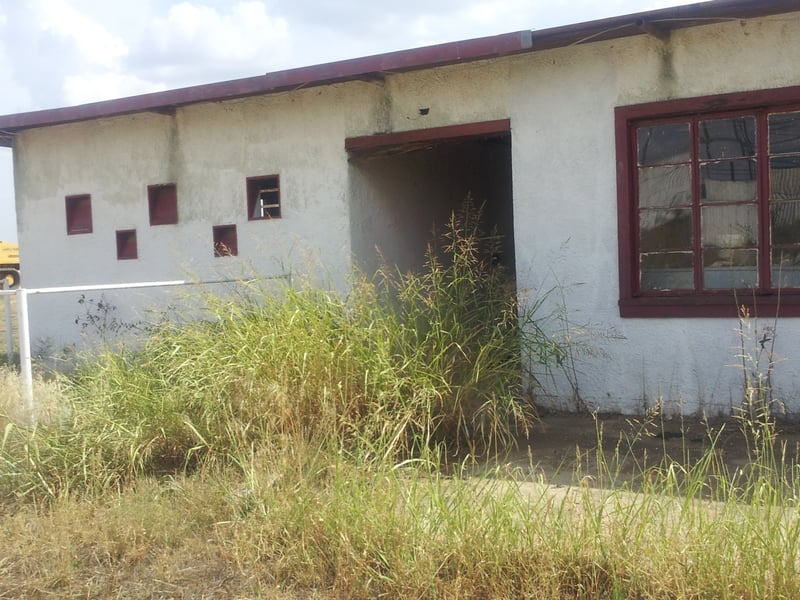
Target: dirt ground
x,y
562,448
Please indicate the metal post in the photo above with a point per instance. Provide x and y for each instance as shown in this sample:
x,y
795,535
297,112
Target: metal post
x,y
9,325
25,362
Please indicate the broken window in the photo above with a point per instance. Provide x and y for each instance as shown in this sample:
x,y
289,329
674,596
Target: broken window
x,y
710,209
263,197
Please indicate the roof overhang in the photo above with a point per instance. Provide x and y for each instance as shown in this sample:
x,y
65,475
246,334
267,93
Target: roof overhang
x,y
658,23
401,142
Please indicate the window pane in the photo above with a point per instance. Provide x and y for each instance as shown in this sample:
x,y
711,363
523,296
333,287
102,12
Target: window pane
x,y
786,267
784,178
663,144
727,138
728,181
727,268
784,133
665,230
785,217
667,271
733,226
665,186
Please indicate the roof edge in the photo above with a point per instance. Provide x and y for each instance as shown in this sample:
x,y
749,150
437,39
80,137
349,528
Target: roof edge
x,y
656,22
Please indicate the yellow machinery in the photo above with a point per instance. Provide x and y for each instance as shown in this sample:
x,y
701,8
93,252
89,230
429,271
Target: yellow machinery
x,y
9,263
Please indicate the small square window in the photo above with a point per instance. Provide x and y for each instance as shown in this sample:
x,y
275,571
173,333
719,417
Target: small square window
x,y
263,197
126,245
225,242
162,201
79,214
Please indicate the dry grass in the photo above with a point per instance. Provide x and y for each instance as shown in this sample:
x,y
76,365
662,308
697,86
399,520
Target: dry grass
x,y
402,533
8,307
318,447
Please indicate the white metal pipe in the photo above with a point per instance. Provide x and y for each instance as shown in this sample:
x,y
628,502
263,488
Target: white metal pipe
x,y
106,286
25,361
9,325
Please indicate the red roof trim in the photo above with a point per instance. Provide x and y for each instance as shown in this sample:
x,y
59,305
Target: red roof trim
x,y
467,131
661,20
291,79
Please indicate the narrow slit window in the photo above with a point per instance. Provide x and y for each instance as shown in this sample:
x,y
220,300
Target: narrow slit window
x,y
126,244
225,241
263,197
79,214
162,202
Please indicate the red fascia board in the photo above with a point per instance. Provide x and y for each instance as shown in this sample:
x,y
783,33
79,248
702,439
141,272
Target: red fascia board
x,y
433,134
678,17
404,60
291,79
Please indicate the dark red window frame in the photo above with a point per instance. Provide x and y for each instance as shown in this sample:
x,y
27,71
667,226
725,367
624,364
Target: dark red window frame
x,y
263,187
226,242
162,202
79,213
635,302
127,248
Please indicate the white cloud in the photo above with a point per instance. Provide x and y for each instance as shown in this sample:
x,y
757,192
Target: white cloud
x,y
93,87
193,33
15,96
96,44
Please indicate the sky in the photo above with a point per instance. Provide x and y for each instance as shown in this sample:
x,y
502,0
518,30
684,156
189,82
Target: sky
x,y
56,53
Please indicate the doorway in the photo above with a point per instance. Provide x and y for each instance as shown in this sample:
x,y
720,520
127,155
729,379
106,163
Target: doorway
x,y
404,187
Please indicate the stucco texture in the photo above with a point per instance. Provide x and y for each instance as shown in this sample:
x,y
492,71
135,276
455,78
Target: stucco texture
x,y
563,173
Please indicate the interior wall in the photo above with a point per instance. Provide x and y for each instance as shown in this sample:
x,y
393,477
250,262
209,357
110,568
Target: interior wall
x,y
399,200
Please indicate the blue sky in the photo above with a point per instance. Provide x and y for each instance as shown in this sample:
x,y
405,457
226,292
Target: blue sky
x,y
65,52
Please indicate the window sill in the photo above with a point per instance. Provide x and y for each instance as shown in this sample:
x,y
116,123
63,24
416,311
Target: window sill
x,y
723,305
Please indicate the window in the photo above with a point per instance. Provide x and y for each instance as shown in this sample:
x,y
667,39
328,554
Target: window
x,y
126,244
79,214
709,205
263,197
225,242
162,202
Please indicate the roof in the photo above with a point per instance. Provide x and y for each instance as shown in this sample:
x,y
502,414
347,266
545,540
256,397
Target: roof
x,y
658,23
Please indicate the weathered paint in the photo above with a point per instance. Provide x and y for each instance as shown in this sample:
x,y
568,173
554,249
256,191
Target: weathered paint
x,y
560,103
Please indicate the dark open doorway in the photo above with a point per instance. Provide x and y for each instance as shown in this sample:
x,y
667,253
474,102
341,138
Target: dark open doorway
x,y
403,188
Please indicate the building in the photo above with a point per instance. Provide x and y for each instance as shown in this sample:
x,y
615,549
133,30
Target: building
x,y
645,169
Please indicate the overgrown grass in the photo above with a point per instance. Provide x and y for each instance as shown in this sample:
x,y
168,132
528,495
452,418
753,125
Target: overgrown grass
x,y
405,365
294,522
296,446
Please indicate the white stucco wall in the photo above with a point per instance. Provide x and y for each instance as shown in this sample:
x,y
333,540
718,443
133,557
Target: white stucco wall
x,y
561,105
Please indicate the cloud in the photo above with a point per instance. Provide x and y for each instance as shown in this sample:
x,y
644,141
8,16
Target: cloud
x,y
93,87
15,96
97,46
196,39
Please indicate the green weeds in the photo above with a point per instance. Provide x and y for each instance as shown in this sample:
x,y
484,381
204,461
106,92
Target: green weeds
x,y
404,365
309,444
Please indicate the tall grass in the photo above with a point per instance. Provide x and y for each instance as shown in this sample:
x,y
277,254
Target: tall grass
x,y
403,365
300,523
294,445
